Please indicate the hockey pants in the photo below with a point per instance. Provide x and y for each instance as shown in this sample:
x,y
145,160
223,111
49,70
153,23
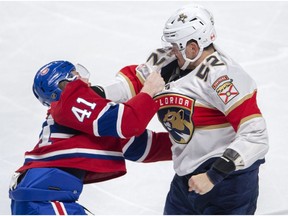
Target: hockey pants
x,y
236,195
47,191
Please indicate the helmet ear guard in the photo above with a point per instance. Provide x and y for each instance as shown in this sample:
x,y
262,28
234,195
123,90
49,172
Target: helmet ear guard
x,y
190,22
47,79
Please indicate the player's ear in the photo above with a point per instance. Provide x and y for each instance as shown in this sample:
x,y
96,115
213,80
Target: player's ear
x,y
194,47
63,84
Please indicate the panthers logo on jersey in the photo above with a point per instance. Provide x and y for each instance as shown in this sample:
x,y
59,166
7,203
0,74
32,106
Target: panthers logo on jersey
x,y
175,114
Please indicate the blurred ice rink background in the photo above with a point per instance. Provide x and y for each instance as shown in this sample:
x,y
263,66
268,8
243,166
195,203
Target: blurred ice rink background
x,y
105,36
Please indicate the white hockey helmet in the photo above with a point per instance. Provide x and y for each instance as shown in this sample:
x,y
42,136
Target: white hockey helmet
x,y
187,23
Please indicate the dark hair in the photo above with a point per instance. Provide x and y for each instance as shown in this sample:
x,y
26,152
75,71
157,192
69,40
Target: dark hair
x,y
206,48
62,84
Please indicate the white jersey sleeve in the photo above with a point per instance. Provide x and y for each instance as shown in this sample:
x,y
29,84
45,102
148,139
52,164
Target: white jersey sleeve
x,y
233,92
117,90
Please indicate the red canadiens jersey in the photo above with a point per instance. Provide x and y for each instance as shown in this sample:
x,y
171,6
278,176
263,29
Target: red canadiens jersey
x,y
98,141
81,108
206,111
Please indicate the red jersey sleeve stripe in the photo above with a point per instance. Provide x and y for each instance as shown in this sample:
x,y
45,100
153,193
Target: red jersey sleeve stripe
x,y
130,75
245,110
204,116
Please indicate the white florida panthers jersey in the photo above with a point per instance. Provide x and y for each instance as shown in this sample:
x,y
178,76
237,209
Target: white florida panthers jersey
x,y
206,111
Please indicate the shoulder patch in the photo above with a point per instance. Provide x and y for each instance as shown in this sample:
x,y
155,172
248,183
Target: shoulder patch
x,y
225,89
219,80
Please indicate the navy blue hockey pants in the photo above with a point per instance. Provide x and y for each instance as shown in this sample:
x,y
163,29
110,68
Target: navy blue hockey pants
x,y
47,191
236,195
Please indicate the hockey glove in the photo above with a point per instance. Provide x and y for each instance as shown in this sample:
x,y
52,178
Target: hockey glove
x,y
157,59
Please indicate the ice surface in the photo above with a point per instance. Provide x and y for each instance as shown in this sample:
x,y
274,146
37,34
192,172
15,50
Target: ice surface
x,y
104,36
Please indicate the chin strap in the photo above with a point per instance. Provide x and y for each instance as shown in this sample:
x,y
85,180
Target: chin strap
x,y
188,61
184,67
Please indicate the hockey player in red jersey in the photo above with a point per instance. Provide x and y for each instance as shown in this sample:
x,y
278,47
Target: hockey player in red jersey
x,y
209,108
85,139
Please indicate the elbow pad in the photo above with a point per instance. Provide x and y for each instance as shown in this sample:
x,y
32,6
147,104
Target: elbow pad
x,y
229,162
224,165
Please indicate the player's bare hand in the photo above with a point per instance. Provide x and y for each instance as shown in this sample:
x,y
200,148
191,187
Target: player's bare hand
x,y
157,59
178,55
200,184
153,84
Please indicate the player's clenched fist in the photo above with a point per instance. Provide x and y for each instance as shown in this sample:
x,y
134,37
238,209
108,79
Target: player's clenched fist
x,y
153,84
200,184
158,59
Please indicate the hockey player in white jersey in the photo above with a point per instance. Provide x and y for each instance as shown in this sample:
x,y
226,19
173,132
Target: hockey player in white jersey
x,y
209,108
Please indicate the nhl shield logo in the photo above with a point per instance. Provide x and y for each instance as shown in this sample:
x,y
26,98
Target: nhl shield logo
x,y
175,114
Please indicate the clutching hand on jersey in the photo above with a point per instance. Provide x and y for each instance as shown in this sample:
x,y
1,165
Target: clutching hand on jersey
x,y
158,59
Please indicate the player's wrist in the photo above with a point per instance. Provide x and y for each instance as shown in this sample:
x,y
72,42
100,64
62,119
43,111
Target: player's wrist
x,y
224,165
148,91
215,176
220,169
